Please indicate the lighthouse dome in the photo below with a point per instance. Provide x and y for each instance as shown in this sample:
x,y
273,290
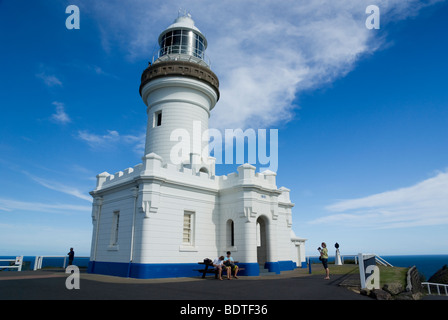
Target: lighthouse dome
x,y
182,40
182,22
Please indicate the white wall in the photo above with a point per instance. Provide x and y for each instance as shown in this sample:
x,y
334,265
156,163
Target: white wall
x,y
164,193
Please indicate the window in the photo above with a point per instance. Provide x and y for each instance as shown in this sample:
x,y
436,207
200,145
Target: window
x,y
157,119
115,227
182,42
187,236
230,233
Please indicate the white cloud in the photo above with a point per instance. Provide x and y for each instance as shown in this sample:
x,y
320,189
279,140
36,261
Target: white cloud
x,y
423,204
95,140
113,139
56,186
12,205
50,80
60,116
264,53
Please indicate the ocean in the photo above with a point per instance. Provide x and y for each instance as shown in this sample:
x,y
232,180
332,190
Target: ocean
x,y
426,264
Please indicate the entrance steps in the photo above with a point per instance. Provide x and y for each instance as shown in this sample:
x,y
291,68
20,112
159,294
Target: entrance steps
x,y
265,272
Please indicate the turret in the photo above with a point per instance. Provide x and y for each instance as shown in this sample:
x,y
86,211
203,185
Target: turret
x,y
179,90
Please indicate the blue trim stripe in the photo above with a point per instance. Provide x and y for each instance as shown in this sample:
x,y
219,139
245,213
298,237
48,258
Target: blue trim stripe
x,y
174,270
272,267
144,270
250,269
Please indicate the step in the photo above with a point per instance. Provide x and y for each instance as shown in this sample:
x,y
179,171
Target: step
x,y
266,272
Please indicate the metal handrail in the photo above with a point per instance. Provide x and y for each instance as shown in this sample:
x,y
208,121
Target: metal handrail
x,y
39,260
377,258
18,262
382,261
438,285
342,257
182,52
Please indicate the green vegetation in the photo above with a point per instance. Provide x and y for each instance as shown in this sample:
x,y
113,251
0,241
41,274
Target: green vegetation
x,y
388,275
318,269
391,275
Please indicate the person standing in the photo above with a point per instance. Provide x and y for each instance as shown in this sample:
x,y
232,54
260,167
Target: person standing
x,y
324,259
71,256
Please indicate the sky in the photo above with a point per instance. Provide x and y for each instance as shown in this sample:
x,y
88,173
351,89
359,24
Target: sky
x,y
361,114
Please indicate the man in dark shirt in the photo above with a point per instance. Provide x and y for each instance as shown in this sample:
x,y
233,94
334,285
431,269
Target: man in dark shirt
x,y
71,256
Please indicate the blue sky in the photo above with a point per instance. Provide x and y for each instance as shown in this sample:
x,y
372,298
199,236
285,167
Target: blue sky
x,y
362,114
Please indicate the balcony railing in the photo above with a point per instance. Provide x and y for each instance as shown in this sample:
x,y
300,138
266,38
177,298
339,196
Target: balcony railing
x,y
183,53
437,286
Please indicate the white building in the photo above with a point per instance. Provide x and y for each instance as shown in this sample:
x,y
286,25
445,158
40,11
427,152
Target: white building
x,y
161,217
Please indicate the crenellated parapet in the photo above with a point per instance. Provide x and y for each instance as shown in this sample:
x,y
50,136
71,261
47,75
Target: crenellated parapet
x,y
154,168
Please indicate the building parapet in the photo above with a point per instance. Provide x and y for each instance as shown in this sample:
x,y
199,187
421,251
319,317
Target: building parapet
x,y
152,166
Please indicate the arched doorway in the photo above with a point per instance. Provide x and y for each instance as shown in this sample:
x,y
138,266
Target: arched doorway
x,y
262,248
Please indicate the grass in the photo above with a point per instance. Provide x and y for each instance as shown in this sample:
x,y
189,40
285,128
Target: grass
x,y
387,274
390,275
318,269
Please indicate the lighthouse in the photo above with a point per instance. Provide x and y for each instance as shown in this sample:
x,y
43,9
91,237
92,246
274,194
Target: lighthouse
x,y
180,90
162,216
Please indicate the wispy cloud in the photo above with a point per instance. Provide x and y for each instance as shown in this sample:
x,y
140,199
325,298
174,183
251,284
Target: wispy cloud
x,y
12,205
99,71
56,186
264,53
95,140
423,204
113,139
50,80
60,116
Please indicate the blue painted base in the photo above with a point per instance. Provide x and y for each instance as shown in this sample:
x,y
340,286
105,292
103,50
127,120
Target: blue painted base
x,y
173,270
272,267
144,270
251,269
279,266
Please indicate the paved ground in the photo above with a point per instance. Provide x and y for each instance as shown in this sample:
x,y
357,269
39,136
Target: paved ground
x,y
291,285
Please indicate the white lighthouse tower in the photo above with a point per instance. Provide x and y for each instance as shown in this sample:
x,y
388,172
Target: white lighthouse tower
x,y
180,90
166,214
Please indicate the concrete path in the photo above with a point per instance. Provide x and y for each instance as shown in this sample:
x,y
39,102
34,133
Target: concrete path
x,y
292,285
